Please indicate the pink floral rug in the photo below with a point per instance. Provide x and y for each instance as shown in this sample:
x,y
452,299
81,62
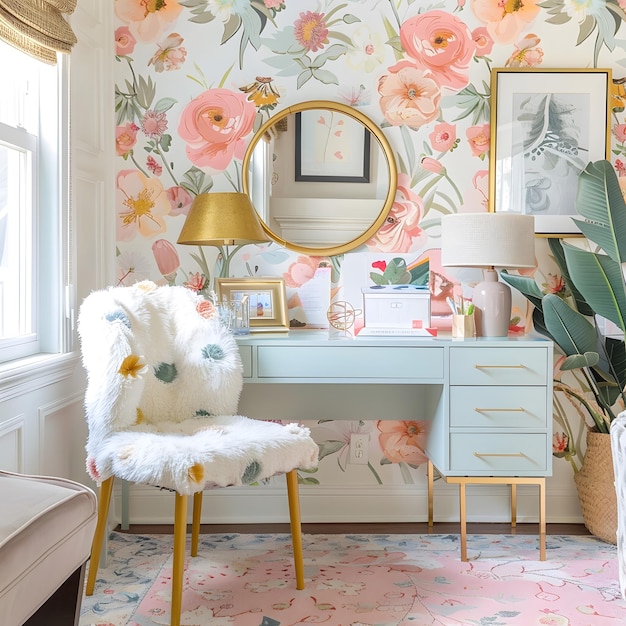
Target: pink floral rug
x,y
362,580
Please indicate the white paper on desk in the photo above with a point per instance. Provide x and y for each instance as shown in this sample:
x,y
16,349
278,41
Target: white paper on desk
x,y
315,298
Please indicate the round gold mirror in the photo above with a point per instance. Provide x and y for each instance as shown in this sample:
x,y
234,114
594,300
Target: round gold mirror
x,y
322,177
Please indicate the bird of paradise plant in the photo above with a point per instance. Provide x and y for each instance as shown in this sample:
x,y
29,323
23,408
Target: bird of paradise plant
x,y
593,274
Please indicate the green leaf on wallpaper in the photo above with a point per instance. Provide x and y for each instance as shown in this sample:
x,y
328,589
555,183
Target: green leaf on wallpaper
x,y
164,104
348,18
330,447
304,78
471,102
196,181
165,142
146,90
585,28
330,54
409,149
326,77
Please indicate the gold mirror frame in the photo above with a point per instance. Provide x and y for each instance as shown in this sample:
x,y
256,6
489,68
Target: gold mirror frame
x,y
377,133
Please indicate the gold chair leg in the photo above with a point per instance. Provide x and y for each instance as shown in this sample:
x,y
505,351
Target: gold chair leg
x,y
296,526
178,566
195,522
96,546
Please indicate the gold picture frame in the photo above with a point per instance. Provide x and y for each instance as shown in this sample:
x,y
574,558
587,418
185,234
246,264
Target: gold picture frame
x,y
546,125
268,302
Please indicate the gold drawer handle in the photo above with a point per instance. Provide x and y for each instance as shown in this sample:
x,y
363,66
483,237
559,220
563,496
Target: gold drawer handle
x,y
482,454
515,367
490,410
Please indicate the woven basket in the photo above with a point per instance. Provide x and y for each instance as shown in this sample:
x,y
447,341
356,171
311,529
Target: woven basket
x,y
595,483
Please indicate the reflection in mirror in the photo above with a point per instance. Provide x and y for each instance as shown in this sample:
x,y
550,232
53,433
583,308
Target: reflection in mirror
x,y
322,177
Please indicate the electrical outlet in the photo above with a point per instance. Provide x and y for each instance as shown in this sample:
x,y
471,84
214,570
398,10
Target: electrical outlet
x,y
359,444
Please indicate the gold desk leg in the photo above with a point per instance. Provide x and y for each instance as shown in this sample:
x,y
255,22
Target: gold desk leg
x,y
178,567
513,505
542,519
463,516
431,479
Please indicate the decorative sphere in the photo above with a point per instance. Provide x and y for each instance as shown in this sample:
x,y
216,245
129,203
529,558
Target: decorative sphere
x,y
341,315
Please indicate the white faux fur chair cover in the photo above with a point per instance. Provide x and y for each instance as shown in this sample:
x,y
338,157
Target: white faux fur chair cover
x,y
164,379
618,448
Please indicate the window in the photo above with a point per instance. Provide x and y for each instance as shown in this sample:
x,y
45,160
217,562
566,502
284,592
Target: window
x,y
31,271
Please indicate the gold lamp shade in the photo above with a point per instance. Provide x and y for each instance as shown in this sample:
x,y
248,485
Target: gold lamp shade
x,y
221,219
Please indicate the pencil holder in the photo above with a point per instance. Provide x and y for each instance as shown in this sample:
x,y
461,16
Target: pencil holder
x,y
463,326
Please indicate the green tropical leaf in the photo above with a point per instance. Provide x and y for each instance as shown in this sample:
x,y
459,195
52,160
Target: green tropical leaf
x,y
599,279
578,361
599,200
573,332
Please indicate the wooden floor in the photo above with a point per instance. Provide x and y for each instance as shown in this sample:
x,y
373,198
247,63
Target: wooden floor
x,y
404,528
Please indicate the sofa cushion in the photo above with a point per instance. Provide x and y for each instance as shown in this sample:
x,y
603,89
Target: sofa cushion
x,y
46,530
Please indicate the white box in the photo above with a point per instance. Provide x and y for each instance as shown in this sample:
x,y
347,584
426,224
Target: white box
x,y
396,306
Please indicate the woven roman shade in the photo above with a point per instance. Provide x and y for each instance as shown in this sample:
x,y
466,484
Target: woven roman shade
x,y
38,27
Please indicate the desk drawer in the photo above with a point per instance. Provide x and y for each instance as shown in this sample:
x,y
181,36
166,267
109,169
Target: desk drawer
x,y
498,407
380,363
246,360
498,366
497,454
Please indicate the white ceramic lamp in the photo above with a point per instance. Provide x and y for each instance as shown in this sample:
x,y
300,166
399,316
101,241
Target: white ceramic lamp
x,y
489,240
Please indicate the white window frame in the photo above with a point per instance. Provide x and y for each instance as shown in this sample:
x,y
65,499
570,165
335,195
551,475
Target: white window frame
x,y
51,321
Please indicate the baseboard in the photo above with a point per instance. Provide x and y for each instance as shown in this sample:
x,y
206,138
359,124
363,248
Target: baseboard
x,y
268,504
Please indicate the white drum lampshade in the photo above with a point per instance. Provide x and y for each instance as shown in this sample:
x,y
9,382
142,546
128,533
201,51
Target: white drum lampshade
x,y
489,240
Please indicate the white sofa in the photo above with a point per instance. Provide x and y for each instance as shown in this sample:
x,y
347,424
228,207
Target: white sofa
x,y
46,529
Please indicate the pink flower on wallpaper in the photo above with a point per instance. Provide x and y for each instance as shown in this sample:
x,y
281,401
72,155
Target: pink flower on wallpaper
x,y
166,257
196,282
170,54
125,138
403,441
380,265
214,125
274,4
526,53
147,20
440,42
619,130
443,137
141,204
310,31
478,138
206,309
154,124
154,166
409,96
432,165
484,42
124,41
478,198
180,200
401,228
505,21
302,271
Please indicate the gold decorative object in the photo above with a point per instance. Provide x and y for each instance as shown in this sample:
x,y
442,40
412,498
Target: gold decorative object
x,y
342,315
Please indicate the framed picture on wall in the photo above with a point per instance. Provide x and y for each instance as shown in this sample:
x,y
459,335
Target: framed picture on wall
x,y
268,303
331,147
546,125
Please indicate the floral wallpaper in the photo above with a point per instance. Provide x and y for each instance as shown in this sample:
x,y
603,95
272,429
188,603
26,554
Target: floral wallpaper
x,y
196,78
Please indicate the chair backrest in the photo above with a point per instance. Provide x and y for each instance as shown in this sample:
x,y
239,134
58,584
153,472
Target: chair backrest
x,y
155,355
